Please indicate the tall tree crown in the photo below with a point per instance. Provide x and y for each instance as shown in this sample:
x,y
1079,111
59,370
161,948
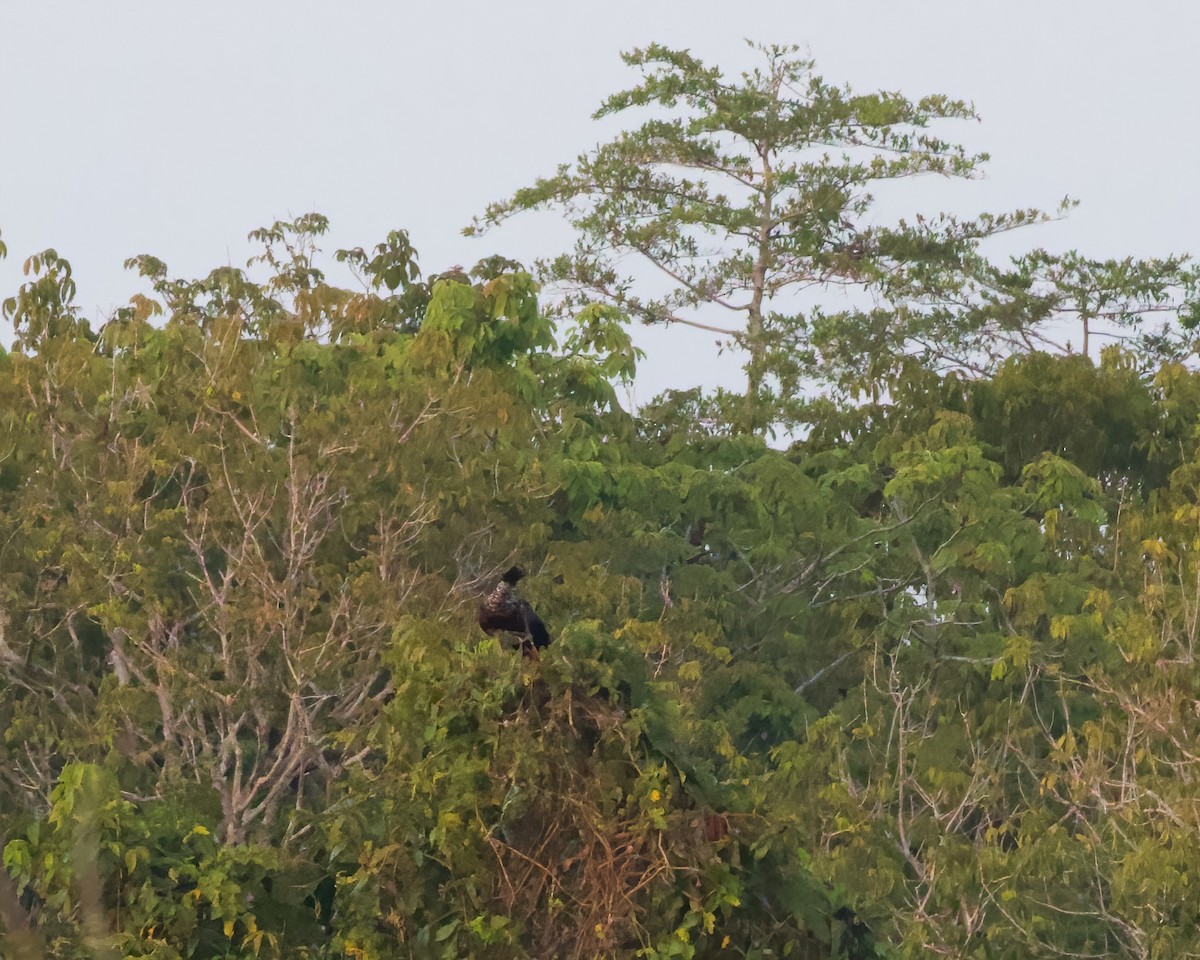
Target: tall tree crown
x,y
740,206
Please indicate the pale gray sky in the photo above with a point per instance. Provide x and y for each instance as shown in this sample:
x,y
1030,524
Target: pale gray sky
x,y
174,128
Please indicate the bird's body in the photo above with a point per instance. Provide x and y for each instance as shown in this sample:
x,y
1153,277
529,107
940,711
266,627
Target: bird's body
x,y
502,609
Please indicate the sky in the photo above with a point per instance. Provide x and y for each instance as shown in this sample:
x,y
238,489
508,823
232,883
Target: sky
x,y
175,128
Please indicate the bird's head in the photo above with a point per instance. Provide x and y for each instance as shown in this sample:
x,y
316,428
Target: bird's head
x,y
512,575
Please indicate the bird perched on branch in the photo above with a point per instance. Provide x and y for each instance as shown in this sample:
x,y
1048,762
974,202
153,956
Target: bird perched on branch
x,y
504,610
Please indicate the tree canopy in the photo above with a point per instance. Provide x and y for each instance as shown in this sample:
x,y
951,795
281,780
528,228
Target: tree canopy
x,y
920,683
749,201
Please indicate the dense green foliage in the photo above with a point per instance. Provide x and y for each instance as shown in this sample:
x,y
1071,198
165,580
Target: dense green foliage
x,y
922,683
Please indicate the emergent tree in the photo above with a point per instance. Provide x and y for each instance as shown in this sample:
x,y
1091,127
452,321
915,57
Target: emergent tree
x,y
751,198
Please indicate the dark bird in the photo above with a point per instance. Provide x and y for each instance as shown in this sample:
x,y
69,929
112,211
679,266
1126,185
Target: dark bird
x,y
504,610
